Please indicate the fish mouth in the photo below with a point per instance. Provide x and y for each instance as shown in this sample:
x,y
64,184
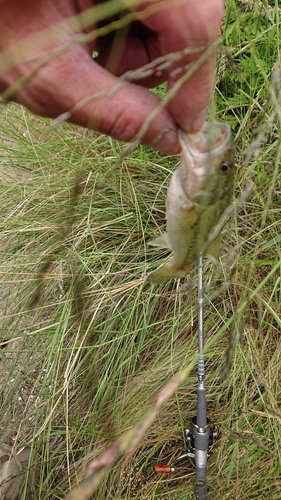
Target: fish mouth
x,y
214,137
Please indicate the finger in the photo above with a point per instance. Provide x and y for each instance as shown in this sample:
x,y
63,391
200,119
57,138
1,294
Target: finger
x,y
130,51
192,24
117,109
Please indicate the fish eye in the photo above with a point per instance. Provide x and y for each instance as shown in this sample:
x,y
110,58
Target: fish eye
x,y
225,167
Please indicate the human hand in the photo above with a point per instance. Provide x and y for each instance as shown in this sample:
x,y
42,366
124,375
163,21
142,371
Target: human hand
x,y
74,76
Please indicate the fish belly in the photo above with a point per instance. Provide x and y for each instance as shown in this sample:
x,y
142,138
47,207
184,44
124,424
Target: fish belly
x,y
181,234
187,233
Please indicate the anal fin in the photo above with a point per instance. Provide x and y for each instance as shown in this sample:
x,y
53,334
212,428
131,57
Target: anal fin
x,y
214,249
162,241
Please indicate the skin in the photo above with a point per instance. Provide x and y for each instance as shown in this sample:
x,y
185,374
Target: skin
x,y
74,75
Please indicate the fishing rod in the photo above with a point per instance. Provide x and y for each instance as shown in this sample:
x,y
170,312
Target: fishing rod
x,y
200,436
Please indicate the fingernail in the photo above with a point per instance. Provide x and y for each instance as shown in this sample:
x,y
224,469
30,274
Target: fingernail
x,y
167,142
198,121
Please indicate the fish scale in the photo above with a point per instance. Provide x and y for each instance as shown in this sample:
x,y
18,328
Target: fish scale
x,y
200,190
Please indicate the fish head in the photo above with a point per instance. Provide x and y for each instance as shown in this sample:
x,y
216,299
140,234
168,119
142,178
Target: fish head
x,y
207,165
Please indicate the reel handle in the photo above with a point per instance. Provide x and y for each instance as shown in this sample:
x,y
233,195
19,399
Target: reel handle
x,y
163,468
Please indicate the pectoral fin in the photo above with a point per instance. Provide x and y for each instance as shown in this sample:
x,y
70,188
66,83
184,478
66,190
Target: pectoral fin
x,y
165,273
161,241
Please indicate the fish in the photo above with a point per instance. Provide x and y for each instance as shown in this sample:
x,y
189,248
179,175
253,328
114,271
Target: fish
x,y
200,190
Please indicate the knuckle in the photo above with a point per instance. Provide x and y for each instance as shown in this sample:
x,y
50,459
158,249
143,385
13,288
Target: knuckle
x,y
120,125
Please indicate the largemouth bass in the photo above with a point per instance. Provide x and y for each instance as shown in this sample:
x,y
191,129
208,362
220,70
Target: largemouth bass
x,y
200,190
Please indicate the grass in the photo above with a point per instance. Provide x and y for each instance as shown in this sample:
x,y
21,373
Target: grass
x,y
82,367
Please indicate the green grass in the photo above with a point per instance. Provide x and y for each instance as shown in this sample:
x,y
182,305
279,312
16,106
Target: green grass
x,y
83,366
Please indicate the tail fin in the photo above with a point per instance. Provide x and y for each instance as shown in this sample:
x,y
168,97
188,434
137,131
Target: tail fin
x,y
165,273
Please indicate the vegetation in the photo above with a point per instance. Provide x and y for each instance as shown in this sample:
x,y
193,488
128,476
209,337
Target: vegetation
x,y
82,360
